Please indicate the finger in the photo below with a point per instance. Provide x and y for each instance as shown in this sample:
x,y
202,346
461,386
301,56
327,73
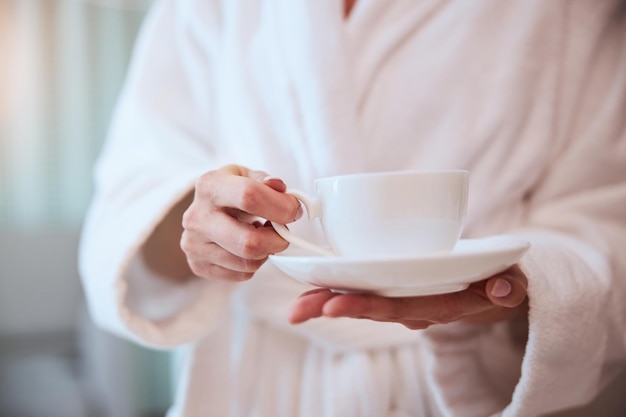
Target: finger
x,y
209,260
206,269
275,183
248,195
215,254
280,186
309,305
507,289
240,238
244,240
497,313
443,308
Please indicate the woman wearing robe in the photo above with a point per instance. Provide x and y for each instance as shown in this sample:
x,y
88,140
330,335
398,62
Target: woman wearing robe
x,y
228,102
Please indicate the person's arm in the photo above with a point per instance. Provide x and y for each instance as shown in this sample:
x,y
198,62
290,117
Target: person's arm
x,y
162,252
161,140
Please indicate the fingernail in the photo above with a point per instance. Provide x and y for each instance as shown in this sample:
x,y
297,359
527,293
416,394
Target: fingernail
x,y
501,288
299,212
270,178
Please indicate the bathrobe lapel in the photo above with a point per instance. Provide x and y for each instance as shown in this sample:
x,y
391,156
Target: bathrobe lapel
x,y
317,65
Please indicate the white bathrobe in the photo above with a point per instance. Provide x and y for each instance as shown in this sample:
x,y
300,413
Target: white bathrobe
x,y
528,95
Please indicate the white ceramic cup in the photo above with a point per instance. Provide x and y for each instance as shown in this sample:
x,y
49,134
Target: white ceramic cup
x,y
386,214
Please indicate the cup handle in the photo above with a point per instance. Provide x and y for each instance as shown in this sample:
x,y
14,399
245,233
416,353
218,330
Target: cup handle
x,y
312,210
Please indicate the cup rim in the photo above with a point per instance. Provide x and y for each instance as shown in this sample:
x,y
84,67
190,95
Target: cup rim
x,y
393,173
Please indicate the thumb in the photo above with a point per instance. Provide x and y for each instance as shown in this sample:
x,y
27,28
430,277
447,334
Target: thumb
x,y
508,288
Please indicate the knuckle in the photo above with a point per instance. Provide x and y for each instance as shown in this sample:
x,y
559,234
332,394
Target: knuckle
x,y
446,316
189,219
185,242
203,183
249,198
233,169
197,216
252,246
399,311
450,311
198,268
193,246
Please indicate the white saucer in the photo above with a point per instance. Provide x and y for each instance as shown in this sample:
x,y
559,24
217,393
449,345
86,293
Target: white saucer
x,y
471,260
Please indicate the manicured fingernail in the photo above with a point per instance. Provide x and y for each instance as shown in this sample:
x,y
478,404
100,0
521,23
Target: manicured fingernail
x,y
270,178
501,288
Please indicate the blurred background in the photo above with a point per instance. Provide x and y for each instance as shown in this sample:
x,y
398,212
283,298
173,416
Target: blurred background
x,y
62,63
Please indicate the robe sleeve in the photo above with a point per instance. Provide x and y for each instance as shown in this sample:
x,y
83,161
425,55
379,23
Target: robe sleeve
x,y
576,222
161,139
577,225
